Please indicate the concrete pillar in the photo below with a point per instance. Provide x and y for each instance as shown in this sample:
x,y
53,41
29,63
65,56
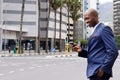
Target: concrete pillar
x,y
36,46
52,42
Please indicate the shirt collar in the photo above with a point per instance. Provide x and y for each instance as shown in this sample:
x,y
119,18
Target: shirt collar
x,y
95,27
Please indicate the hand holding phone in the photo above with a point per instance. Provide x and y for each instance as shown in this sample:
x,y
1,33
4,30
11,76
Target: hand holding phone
x,y
77,48
72,43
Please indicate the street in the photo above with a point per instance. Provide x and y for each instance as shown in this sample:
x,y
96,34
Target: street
x,y
46,68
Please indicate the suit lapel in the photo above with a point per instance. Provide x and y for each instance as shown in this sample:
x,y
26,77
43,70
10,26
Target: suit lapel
x,y
89,42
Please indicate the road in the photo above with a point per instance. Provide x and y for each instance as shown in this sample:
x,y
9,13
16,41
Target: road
x,y
46,68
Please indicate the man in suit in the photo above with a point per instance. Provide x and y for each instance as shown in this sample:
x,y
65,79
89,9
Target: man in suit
x,y
101,51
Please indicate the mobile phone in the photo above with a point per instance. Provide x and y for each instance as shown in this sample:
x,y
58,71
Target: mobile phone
x,y
72,43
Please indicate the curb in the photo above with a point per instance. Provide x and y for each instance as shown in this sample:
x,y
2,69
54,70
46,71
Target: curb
x,y
67,55
18,55
62,56
49,55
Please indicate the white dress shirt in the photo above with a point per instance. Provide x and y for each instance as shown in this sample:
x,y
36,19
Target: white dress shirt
x,y
94,28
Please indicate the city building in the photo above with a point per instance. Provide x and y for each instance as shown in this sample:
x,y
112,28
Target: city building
x,y
10,16
116,17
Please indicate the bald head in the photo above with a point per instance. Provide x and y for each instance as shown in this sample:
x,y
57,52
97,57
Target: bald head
x,y
92,12
91,17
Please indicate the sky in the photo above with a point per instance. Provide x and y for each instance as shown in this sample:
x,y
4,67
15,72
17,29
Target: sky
x,y
104,1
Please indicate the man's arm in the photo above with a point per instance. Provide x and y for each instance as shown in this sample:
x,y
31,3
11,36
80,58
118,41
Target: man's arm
x,y
81,52
111,49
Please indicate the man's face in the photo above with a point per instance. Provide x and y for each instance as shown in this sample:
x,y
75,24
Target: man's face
x,y
90,20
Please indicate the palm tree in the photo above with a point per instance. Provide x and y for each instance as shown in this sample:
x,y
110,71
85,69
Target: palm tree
x,y
75,15
68,2
48,13
39,26
55,5
75,18
60,29
21,23
60,44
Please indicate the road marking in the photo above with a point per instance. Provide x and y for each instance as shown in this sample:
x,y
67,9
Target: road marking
x,y
31,67
60,63
11,72
4,65
34,64
54,64
46,65
14,65
67,63
3,62
21,69
1,74
39,66
20,63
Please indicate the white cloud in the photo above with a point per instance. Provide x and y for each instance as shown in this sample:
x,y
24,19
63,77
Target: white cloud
x,y
105,1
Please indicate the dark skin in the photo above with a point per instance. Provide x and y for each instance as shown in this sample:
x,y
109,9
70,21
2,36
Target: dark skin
x,y
91,18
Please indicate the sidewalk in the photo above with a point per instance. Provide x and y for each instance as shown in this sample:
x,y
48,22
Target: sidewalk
x,y
32,53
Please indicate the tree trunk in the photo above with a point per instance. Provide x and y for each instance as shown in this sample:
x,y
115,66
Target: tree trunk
x,y
21,23
60,44
68,22
48,13
39,6
55,31
74,24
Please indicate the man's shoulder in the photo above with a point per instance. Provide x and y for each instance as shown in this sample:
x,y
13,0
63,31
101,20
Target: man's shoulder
x,y
103,26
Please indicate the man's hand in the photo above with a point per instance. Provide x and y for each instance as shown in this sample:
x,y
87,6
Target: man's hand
x,y
77,48
100,73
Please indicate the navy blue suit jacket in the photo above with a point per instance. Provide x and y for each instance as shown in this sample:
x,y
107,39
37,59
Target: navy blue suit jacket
x,y
101,51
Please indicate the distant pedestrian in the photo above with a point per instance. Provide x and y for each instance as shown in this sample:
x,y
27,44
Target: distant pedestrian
x,y
28,46
101,51
53,50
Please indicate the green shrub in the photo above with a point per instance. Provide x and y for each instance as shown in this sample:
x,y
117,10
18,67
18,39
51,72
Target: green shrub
x,y
83,42
117,38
